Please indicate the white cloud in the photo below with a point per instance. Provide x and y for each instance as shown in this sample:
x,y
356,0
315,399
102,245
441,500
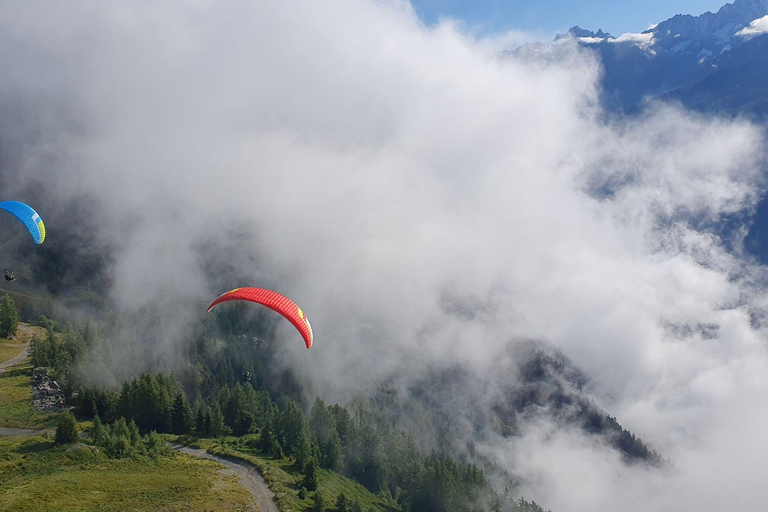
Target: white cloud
x,y
643,41
644,38
755,28
590,40
373,167
510,39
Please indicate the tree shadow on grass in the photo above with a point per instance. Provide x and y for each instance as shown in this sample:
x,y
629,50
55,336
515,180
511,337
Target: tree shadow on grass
x,y
34,445
15,371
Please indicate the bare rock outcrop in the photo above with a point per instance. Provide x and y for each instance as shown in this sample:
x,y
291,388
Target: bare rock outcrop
x,y
46,393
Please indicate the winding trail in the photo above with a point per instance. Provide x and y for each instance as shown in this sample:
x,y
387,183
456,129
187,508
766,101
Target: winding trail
x,y
248,476
13,432
17,359
24,335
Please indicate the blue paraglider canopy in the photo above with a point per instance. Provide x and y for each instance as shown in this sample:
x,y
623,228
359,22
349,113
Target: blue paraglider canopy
x,y
28,217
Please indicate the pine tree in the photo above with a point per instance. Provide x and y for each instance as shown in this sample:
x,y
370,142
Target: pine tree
x,y
126,402
330,450
323,426
268,443
199,419
98,433
120,428
311,476
342,505
218,427
120,447
133,433
290,426
318,503
207,423
302,451
9,317
53,347
181,415
156,445
38,349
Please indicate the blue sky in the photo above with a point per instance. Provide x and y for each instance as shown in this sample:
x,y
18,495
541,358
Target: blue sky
x,y
546,17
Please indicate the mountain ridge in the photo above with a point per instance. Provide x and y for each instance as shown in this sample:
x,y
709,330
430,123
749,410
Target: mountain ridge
x,y
671,55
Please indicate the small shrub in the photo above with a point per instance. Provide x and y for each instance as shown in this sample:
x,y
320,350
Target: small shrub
x,y
66,429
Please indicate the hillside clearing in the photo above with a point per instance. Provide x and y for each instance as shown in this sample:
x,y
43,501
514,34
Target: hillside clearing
x,y
37,475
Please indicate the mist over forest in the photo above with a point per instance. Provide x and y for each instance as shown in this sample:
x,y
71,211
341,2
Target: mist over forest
x,y
495,267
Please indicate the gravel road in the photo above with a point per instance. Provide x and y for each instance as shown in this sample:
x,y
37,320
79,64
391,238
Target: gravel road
x,y
249,478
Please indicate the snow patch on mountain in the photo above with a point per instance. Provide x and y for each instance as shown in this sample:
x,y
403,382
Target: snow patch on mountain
x,y
671,54
703,55
701,37
709,34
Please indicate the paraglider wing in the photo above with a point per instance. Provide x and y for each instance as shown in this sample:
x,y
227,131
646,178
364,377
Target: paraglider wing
x,y
28,217
274,301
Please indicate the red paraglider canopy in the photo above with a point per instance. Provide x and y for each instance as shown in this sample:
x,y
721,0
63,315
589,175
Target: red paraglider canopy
x,y
274,301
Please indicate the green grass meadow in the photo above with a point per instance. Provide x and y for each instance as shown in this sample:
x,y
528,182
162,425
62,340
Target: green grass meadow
x,y
37,475
16,400
8,350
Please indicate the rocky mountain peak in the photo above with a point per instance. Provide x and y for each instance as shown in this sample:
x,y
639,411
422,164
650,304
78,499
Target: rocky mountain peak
x,y
576,32
710,34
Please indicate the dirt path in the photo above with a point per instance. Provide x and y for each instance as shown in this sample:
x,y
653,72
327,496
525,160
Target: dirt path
x,y
25,333
249,478
14,432
17,359
23,336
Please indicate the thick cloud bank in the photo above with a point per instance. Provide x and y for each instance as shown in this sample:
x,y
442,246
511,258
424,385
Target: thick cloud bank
x,y
425,202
